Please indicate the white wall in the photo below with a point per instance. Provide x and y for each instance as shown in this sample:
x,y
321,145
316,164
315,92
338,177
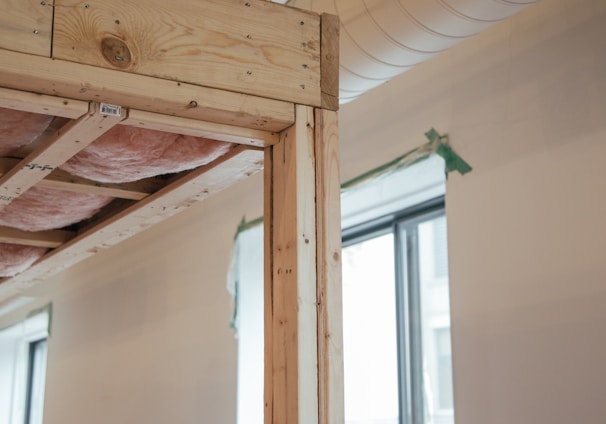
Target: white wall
x,y
525,104
140,332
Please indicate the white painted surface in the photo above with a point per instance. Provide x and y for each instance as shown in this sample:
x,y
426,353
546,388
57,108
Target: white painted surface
x,y
140,332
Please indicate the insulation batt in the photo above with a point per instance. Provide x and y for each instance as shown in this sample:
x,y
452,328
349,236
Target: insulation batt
x,y
15,258
126,154
19,128
40,209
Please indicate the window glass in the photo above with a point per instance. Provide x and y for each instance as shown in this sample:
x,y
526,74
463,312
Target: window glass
x,y
369,332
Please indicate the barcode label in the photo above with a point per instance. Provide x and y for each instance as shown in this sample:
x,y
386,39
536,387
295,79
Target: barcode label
x,y
111,110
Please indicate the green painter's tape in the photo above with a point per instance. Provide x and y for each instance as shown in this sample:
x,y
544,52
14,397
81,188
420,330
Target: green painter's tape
x,y
452,161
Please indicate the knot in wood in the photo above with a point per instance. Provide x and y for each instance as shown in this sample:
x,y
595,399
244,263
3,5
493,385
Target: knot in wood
x,y
116,52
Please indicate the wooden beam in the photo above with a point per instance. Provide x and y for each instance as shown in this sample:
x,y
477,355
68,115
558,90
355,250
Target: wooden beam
x,y
254,46
75,81
291,370
179,195
26,26
50,239
328,235
61,180
330,61
193,127
66,142
40,103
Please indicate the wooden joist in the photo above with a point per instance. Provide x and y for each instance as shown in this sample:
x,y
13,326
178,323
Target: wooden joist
x,y
56,150
197,128
89,83
61,180
41,103
50,238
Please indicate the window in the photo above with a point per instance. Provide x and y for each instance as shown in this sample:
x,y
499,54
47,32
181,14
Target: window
x,y
23,349
396,323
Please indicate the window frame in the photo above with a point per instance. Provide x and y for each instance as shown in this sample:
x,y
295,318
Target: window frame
x,y
408,298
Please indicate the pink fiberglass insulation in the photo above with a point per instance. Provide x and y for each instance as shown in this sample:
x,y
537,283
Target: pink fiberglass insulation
x,y
15,258
19,128
40,209
125,154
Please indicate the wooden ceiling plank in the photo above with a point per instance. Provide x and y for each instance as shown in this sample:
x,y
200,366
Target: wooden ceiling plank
x,y
49,239
54,151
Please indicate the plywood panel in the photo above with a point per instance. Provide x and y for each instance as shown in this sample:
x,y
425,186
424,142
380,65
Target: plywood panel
x,y
26,26
255,47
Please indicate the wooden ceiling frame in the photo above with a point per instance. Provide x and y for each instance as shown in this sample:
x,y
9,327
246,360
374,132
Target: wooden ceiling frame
x,y
254,73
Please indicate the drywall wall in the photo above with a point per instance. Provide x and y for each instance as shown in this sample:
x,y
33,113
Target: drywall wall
x,y
524,104
140,332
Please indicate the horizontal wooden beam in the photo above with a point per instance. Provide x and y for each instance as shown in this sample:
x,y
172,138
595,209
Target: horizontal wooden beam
x,y
255,46
177,196
50,238
43,104
54,151
196,128
83,82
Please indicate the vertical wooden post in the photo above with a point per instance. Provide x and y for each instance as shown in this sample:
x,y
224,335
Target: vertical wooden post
x,y
329,289
302,283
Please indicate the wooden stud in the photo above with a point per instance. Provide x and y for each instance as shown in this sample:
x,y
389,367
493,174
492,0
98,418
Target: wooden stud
x,y
330,309
26,26
68,141
50,239
197,128
268,286
329,81
254,47
293,360
178,195
75,81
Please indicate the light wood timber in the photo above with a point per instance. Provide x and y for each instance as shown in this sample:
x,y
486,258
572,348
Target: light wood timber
x,y
268,285
294,356
66,142
26,26
330,61
330,308
196,128
83,82
61,180
179,195
254,46
50,238
43,104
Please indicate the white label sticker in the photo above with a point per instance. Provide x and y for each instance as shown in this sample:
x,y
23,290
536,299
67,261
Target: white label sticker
x,y
111,110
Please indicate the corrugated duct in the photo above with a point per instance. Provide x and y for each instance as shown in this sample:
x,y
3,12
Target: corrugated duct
x,y
383,38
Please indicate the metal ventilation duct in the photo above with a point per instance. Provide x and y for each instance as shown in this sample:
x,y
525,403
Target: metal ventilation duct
x,y
383,38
